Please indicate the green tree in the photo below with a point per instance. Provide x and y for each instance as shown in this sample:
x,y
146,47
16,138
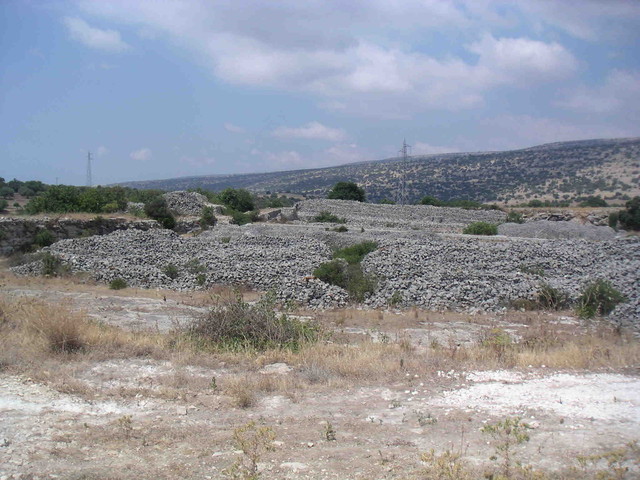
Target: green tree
x,y
630,218
237,199
347,191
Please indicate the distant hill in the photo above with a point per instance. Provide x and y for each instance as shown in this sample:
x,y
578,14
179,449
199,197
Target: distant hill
x,y
564,170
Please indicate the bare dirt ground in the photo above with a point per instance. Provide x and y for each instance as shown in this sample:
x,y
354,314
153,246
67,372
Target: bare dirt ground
x,y
149,416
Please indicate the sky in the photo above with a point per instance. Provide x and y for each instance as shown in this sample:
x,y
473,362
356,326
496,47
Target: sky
x,y
161,89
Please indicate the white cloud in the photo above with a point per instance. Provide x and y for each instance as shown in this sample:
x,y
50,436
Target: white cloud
x,y
342,55
311,131
523,60
230,127
107,40
620,93
102,150
288,159
421,148
141,155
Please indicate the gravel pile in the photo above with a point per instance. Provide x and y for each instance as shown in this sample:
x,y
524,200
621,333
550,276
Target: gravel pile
x,y
431,270
556,230
487,274
437,219
189,203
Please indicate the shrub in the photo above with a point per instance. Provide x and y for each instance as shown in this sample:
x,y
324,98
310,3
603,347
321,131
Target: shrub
x,y
171,271
157,209
514,217
347,191
111,207
3,205
340,229
630,217
481,228
239,218
117,284
194,266
236,324
53,266
613,220
594,202
207,219
43,238
348,276
551,298
430,200
355,253
598,298
328,217
333,272
237,199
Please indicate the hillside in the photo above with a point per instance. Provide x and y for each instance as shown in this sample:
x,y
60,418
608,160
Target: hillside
x,y
564,170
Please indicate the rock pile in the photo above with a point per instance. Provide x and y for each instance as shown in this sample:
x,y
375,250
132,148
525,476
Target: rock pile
x,y
189,203
437,219
413,265
556,229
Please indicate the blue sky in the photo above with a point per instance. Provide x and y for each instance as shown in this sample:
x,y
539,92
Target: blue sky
x,y
159,89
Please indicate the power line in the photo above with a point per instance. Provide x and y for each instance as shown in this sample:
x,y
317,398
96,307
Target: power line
x,y
401,194
89,183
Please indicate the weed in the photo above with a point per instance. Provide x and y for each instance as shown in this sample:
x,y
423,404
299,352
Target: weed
x,y
201,279
253,441
225,239
125,425
613,464
340,229
395,299
532,269
425,419
445,466
551,298
507,434
171,271
598,298
329,432
117,284
53,266
194,266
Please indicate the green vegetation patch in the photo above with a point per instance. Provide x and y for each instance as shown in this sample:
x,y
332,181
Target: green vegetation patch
x,y
481,228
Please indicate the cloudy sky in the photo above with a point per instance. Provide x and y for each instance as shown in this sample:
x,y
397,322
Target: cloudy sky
x,y
158,89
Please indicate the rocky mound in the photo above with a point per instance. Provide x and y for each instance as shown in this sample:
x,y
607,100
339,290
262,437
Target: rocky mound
x,y
436,219
556,230
188,203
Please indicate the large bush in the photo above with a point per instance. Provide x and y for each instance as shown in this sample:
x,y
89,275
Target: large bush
x,y
237,199
630,218
67,198
481,228
355,253
598,298
347,191
157,209
346,272
237,324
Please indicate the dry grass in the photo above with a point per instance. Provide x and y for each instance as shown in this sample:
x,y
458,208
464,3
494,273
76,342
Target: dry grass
x,y
40,339
32,331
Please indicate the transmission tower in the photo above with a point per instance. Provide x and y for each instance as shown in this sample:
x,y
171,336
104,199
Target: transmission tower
x,y
89,169
401,195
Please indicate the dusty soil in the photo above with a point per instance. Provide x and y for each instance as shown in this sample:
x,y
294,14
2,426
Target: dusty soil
x,y
150,418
